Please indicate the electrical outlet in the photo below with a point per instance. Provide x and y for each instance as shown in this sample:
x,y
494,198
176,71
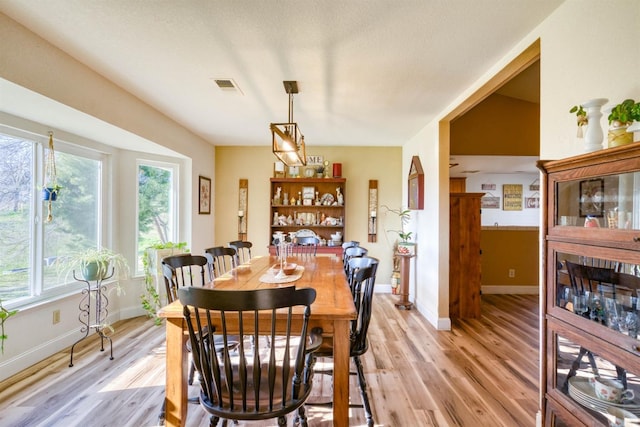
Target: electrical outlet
x,y
512,272
56,316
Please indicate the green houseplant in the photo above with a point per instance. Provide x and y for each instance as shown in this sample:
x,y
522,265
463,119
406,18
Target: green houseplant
x,y
4,315
96,264
404,246
621,117
150,299
581,117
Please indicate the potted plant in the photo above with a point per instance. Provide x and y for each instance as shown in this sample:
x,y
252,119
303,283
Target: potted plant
x,y
404,246
4,315
96,264
621,117
319,171
581,118
150,298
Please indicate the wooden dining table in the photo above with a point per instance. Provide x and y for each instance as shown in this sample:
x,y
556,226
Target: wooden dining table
x,y
333,310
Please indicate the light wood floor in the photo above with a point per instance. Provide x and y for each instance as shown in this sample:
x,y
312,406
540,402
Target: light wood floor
x,y
482,373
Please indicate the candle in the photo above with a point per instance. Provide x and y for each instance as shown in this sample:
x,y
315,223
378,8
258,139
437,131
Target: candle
x,y
241,213
373,214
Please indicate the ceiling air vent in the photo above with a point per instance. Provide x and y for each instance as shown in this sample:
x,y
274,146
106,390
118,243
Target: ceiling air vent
x,y
227,85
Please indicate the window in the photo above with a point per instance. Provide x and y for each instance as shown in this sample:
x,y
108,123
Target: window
x,y
157,218
32,247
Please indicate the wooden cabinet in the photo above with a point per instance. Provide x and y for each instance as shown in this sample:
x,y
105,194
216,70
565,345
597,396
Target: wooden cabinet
x,y
592,218
464,255
318,205
457,185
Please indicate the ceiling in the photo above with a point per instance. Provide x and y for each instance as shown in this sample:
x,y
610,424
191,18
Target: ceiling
x,y
370,72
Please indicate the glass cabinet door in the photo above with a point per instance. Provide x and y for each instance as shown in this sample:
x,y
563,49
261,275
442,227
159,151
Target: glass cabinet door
x,y
608,201
599,292
585,378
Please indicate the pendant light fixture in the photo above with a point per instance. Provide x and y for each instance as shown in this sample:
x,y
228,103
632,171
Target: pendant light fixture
x,y
288,141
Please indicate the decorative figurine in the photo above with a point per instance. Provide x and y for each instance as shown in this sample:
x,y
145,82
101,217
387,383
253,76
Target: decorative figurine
x,y
340,196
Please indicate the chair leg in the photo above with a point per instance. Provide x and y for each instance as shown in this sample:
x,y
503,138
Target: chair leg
x,y
213,421
192,372
363,391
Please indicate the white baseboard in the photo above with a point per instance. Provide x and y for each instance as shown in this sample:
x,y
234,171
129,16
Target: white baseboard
x,y
521,290
382,288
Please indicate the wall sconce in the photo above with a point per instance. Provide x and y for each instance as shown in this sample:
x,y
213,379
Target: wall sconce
x,y
243,204
373,210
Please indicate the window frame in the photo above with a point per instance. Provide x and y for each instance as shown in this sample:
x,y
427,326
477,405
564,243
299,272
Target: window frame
x,y
174,208
83,148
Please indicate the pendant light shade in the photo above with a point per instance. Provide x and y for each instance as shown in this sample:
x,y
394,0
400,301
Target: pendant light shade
x,y
287,139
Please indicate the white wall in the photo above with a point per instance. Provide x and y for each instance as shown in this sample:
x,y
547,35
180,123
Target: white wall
x,y
588,50
500,217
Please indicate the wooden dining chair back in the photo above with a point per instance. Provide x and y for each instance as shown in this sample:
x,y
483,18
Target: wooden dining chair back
x,y
305,246
221,260
356,264
587,278
255,383
345,245
243,251
354,251
183,270
363,284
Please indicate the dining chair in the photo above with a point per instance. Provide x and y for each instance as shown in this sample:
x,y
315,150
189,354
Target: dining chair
x,y
363,284
220,260
345,245
353,251
243,250
305,246
180,271
254,384
357,263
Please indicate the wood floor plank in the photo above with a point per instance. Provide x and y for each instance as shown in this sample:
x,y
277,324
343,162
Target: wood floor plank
x,y
482,372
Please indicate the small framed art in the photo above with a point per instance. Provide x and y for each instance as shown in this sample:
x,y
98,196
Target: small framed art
x,y
204,195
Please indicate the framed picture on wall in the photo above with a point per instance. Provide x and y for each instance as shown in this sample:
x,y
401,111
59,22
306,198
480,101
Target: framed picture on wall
x,y
416,184
204,195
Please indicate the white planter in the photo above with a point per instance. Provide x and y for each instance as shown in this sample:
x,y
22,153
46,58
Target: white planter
x,y
406,248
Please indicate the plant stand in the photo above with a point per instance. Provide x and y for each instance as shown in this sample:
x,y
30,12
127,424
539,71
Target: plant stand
x,y
405,266
100,312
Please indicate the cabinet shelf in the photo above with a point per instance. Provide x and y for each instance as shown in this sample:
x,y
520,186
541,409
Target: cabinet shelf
x,y
315,189
592,221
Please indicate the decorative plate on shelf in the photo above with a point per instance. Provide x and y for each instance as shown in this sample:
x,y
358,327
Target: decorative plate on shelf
x,y
305,233
327,199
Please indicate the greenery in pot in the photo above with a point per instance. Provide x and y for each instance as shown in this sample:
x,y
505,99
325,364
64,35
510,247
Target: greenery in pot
x,y
624,113
96,264
150,298
620,118
4,315
404,215
581,117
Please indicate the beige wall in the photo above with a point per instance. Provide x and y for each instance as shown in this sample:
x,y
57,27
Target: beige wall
x,y
47,75
359,165
605,65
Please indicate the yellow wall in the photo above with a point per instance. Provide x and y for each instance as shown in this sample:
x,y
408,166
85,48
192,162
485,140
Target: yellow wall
x,y
509,248
359,165
498,126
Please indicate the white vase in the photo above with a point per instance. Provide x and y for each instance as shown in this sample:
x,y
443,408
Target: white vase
x,y
594,135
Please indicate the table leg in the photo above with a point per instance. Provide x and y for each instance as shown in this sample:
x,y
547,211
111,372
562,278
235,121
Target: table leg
x,y
176,388
341,373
